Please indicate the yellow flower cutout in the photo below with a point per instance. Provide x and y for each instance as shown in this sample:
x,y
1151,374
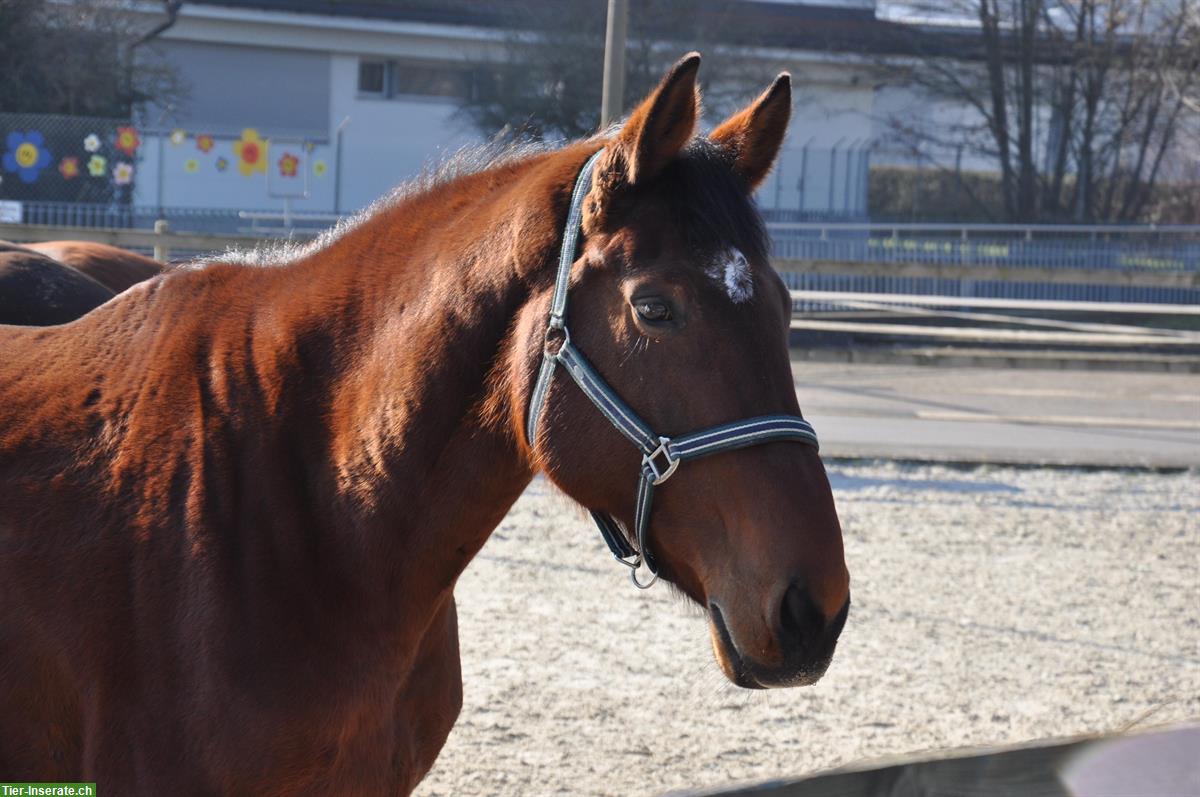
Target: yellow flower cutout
x,y
191,165
319,168
251,152
97,166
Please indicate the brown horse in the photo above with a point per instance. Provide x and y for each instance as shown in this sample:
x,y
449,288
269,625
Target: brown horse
x,y
115,268
36,290
234,501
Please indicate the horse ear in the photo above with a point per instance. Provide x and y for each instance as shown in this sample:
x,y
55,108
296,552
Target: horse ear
x,y
753,136
657,129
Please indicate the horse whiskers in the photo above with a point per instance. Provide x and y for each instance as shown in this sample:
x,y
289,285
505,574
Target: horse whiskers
x,y
632,350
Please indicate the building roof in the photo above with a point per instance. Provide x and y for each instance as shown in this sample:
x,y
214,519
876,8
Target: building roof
x,y
740,22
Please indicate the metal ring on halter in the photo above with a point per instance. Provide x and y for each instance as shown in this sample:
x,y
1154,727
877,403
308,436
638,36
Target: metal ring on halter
x,y
633,574
636,565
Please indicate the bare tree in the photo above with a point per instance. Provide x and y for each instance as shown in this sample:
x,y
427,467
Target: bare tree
x,y
547,85
78,58
1078,103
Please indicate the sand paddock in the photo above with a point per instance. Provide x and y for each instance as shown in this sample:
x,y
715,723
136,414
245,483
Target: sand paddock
x,y
991,605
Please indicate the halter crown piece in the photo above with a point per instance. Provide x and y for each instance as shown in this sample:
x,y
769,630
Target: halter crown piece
x,y
661,456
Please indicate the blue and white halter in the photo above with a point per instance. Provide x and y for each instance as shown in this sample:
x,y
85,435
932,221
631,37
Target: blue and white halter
x,y
660,455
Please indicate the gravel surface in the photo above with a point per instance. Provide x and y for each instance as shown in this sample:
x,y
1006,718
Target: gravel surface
x,y
991,606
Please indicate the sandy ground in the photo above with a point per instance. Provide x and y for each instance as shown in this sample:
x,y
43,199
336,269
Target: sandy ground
x,y
991,606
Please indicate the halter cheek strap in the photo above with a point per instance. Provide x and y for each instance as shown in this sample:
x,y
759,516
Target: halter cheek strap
x,y
661,456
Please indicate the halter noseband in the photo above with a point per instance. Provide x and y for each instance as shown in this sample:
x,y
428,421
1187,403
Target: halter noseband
x,y
660,455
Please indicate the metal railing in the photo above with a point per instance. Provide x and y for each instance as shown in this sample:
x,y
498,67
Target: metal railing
x,y
129,217
1058,262
1145,248
286,223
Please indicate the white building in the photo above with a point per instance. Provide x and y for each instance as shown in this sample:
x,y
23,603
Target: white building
x,y
355,97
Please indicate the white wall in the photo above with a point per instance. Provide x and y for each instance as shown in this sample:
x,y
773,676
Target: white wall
x,y
385,142
200,184
388,140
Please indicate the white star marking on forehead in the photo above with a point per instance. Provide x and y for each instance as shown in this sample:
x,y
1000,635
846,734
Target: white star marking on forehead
x,y
731,271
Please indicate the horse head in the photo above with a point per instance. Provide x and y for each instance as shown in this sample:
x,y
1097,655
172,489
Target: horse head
x,y
674,301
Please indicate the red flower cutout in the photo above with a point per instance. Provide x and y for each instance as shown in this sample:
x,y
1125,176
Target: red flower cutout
x,y
289,165
204,143
128,140
69,168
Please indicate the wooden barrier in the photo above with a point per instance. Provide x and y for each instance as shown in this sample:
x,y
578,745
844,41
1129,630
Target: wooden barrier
x,y
989,335
161,239
1135,308
1159,762
878,309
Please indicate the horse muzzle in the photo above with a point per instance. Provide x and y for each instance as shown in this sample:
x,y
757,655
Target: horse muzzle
x,y
805,640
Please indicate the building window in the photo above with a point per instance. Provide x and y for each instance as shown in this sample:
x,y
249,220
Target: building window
x,y
425,80
403,78
372,78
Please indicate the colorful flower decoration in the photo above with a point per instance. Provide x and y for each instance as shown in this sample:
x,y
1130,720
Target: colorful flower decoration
x,y
69,167
178,137
98,166
289,165
204,143
128,140
92,143
27,155
191,165
319,168
309,146
221,164
252,152
123,173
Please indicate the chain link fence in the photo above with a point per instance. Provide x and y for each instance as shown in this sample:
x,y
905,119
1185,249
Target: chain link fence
x,y
68,159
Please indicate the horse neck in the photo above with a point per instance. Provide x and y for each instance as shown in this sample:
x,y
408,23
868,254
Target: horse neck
x,y
414,309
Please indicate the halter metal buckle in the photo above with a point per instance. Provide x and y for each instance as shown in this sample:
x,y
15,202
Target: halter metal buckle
x,y
663,473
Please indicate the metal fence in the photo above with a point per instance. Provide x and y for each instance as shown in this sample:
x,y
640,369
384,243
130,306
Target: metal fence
x,y
1101,250
819,183
983,289
1148,248
68,159
203,220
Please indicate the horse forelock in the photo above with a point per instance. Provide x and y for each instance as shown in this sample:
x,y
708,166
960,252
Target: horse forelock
x,y
709,205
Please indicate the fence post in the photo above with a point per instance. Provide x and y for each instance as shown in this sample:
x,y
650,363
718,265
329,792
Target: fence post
x,y
162,250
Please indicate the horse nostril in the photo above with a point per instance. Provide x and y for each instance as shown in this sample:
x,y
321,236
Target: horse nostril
x,y
799,618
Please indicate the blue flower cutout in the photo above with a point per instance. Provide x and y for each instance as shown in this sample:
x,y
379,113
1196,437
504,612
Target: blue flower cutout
x,y
27,155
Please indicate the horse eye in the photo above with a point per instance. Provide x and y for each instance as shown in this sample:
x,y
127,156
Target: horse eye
x,y
652,310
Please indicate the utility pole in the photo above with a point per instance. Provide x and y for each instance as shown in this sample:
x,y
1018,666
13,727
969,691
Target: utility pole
x,y
613,91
